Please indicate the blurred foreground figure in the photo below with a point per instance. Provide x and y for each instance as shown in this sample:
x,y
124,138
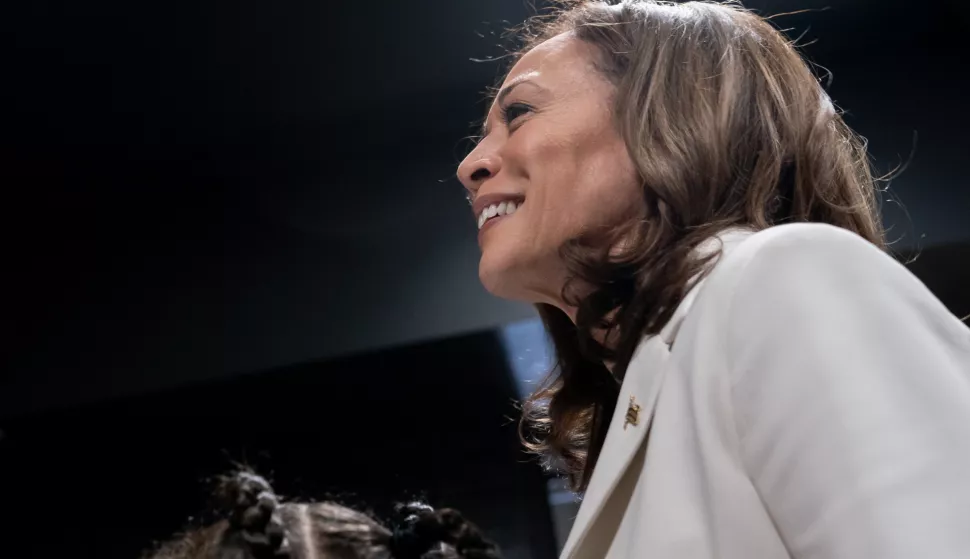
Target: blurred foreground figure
x,y
258,525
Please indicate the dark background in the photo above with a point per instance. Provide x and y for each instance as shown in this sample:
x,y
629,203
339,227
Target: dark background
x,y
231,230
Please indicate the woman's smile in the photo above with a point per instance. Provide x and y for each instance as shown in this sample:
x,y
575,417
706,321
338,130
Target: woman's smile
x,y
489,209
495,211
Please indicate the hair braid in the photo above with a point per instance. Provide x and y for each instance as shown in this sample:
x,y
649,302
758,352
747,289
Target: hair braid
x,y
256,525
424,529
253,521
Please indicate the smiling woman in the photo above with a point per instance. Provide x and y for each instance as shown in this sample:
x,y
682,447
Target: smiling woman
x,y
552,124
699,230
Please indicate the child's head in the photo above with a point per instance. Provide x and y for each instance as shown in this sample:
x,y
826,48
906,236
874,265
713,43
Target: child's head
x,y
258,526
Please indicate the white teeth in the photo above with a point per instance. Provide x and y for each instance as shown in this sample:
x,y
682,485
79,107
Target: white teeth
x,y
504,208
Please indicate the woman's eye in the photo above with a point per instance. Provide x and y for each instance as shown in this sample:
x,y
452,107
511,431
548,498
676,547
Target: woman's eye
x,y
514,111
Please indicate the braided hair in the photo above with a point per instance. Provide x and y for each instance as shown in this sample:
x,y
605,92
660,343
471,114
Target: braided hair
x,y
257,524
423,529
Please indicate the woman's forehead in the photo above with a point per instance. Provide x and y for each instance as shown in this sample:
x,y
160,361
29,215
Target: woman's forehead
x,y
549,58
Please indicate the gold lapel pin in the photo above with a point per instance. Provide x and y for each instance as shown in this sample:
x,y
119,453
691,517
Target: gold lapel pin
x,y
632,413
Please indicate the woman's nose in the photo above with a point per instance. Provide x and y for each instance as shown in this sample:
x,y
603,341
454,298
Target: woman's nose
x,y
476,168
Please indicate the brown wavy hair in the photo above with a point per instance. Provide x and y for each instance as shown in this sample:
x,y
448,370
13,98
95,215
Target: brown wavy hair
x,y
727,126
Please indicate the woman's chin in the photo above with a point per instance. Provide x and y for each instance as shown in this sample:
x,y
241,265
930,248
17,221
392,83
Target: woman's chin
x,y
494,282
508,274
498,277
508,283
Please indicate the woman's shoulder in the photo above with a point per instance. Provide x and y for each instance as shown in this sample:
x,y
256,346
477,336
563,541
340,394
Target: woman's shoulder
x,y
808,273
796,242
789,257
773,271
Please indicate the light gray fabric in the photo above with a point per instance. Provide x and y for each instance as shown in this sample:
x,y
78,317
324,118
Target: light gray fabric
x,y
816,404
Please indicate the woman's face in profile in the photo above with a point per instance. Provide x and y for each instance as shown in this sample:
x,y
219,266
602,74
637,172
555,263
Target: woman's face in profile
x,y
552,151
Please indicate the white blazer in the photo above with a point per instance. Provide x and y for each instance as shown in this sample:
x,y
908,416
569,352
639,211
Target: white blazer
x,y
809,399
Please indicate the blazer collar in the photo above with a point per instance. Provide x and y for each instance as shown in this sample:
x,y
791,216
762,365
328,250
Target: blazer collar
x,y
725,241
641,387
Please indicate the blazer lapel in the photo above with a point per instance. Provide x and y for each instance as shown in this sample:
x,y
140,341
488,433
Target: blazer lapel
x,y
638,397
635,407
